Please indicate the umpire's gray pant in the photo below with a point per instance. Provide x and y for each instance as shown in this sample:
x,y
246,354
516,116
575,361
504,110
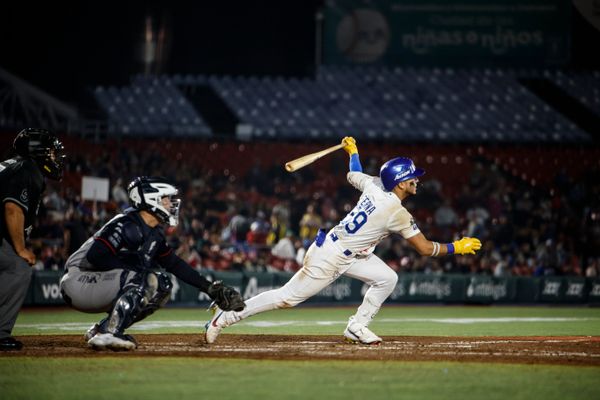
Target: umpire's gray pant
x,y
15,275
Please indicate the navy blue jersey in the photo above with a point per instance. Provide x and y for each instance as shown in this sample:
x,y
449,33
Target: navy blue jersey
x,y
134,244
127,242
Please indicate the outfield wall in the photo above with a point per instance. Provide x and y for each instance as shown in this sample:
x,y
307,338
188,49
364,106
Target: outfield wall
x,y
411,288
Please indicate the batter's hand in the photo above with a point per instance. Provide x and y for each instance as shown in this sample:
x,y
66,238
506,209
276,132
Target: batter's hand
x,y
350,145
466,245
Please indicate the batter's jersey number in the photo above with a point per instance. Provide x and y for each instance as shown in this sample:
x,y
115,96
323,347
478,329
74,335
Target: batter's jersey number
x,y
359,220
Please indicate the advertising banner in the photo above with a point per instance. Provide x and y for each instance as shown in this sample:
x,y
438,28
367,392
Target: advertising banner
x,y
443,32
411,288
44,288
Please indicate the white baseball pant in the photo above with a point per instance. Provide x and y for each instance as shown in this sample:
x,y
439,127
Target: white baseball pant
x,y
323,265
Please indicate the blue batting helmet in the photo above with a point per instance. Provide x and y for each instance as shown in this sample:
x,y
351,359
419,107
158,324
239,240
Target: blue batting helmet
x,y
398,170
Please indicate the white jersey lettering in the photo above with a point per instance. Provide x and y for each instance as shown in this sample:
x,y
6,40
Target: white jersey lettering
x,y
377,215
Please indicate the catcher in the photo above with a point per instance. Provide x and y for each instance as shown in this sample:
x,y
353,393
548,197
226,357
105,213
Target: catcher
x,y
119,269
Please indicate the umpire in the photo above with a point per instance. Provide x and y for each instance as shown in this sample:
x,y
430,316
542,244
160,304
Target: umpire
x,y
39,155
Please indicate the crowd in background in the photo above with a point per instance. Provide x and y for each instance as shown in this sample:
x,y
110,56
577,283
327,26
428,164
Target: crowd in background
x,y
262,221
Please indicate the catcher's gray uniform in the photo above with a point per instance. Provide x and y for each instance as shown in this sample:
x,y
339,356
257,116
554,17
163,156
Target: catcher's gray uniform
x,y
119,271
123,253
94,291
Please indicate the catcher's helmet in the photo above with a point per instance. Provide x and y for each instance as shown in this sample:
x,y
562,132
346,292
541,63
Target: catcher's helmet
x,y
44,148
146,193
398,170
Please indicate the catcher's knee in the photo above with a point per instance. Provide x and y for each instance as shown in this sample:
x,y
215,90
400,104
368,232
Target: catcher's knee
x,y
158,290
142,298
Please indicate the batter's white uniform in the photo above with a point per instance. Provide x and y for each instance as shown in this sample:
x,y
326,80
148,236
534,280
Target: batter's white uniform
x,y
346,250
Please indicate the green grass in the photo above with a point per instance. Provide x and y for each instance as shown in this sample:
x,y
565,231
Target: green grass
x,y
183,378
392,320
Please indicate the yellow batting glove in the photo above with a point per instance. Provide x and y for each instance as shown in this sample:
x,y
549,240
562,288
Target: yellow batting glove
x,y
350,145
466,245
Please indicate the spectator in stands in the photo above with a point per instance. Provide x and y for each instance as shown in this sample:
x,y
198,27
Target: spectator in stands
x,y
285,248
446,218
188,253
279,223
74,231
54,203
259,229
239,226
300,251
430,194
477,217
119,195
310,224
53,258
22,183
39,263
521,215
500,268
593,268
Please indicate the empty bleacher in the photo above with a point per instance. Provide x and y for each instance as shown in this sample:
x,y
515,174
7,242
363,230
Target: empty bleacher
x,y
150,107
400,104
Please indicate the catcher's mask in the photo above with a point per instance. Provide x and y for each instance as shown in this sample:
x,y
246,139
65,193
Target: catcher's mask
x,y
147,193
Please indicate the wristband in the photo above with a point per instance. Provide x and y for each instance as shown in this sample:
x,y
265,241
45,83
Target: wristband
x,y
450,248
355,163
436,249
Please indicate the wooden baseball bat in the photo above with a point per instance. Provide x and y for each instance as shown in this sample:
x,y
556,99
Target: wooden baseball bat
x,y
303,161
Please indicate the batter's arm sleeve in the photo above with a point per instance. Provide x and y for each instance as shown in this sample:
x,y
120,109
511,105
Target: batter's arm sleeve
x,y
355,163
182,270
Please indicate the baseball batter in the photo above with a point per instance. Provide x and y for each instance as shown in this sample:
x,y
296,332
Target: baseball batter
x,y
347,249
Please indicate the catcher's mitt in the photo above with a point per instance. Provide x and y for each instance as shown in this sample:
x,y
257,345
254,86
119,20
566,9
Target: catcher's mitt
x,y
227,298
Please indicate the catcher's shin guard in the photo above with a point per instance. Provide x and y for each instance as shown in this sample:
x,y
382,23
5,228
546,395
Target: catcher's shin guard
x,y
160,285
139,301
126,309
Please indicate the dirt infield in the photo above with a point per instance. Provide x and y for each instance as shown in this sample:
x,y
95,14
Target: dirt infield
x,y
569,350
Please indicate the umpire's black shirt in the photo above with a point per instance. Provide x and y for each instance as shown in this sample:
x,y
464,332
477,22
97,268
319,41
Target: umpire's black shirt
x,y
22,183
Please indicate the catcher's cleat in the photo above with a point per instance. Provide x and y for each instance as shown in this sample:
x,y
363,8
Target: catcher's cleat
x,y
212,327
91,332
358,333
116,342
